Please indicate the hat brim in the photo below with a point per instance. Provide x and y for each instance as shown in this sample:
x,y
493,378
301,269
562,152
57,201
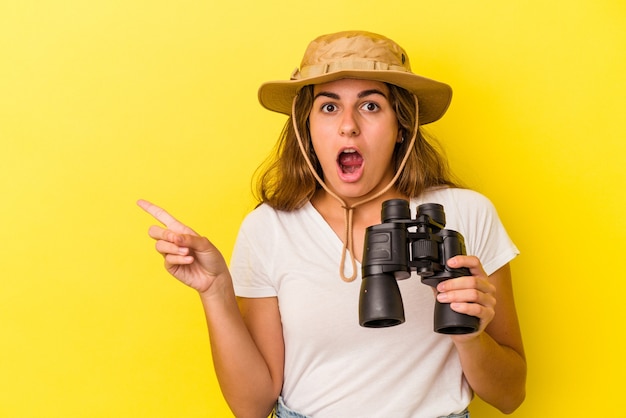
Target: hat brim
x,y
433,96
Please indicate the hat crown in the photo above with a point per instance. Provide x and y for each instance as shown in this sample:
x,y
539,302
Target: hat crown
x,y
368,50
360,55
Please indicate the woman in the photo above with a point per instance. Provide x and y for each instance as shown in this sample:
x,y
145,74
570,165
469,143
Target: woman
x,y
283,320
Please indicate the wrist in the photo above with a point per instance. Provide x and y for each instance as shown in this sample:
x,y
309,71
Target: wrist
x,y
221,288
468,340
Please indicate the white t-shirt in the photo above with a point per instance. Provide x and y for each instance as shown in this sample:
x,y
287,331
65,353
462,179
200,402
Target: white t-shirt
x,y
333,366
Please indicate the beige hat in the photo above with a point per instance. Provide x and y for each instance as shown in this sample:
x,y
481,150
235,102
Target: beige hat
x,y
363,55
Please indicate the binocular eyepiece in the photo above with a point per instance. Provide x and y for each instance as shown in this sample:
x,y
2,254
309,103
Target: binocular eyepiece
x,y
392,251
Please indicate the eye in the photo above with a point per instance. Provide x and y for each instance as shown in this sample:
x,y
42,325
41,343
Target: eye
x,y
328,108
370,106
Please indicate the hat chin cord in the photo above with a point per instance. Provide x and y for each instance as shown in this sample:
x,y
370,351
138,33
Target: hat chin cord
x,y
348,246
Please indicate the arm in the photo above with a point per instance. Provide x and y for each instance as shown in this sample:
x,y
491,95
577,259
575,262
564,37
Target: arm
x,y
492,358
247,345
247,349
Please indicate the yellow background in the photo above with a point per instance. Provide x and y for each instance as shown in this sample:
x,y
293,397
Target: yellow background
x,y
104,102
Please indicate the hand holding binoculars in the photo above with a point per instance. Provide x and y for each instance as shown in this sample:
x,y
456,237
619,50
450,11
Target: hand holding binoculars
x,y
392,251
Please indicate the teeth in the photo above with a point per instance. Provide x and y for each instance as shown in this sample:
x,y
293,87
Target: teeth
x,y
349,151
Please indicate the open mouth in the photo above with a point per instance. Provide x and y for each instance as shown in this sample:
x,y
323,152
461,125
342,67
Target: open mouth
x,y
349,160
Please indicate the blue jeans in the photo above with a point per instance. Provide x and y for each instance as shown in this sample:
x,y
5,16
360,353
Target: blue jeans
x,y
282,411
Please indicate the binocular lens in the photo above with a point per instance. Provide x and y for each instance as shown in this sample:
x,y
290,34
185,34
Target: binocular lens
x,y
395,209
434,211
448,321
380,304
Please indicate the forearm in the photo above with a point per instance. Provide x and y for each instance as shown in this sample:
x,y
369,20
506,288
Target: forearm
x,y
242,372
496,373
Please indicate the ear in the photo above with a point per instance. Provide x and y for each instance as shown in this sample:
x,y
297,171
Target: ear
x,y
400,137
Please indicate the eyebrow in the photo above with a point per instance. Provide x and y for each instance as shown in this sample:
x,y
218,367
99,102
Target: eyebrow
x,y
361,94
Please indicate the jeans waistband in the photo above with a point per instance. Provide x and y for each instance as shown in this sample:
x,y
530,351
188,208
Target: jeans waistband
x,y
464,414
282,411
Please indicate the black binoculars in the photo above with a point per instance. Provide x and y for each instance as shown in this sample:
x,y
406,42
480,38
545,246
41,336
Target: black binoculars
x,y
392,251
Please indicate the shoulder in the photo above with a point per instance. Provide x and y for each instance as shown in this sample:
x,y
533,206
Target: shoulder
x,y
260,213
260,219
265,211
466,210
455,194
457,199
265,219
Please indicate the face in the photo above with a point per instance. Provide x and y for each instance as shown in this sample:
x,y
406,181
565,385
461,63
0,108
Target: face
x,y
354,131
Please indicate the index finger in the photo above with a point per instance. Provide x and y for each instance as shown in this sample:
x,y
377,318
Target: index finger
x,y
163,216
469,261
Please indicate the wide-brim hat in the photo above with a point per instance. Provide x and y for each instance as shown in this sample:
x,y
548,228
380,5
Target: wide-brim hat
x,y
361,55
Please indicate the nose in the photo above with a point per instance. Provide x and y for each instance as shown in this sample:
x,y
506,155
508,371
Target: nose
x,y
349,125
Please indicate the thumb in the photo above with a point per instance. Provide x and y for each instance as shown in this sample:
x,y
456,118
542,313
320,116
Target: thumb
x,y
194,242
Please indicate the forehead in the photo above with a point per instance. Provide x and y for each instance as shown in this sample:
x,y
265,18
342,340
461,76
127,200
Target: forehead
x,y
351,85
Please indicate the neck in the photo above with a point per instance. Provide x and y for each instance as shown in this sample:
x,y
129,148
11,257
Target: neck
x,y
368,210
